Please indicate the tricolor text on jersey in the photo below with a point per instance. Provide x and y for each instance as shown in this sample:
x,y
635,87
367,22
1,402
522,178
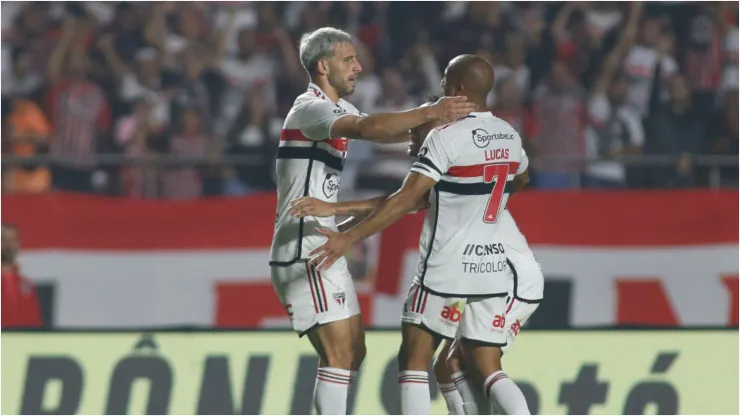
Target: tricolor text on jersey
x,y
484,266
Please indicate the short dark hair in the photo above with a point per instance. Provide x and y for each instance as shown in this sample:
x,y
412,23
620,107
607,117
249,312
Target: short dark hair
x,y
432,99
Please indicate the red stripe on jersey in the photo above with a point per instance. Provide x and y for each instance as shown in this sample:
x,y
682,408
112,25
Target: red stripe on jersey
x,y
473,171
296,135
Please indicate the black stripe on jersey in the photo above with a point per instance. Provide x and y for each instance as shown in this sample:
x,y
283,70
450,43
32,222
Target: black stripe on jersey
x,y
431,240
477,188
422,167
311,153
426,162
516,285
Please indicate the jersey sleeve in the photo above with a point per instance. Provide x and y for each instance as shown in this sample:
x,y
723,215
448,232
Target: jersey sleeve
x,y
317,118
523,164
435,157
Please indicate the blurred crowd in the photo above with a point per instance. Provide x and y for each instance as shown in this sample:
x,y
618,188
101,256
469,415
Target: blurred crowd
x,y
211,81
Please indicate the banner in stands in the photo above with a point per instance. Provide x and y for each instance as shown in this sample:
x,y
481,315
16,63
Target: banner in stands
x,y
610,258
575,372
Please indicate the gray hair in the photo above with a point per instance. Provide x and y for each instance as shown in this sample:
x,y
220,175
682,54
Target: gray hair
x,y
318,45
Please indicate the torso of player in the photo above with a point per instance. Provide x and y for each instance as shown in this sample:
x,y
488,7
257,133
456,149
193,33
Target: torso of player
x,y
462,250
306,166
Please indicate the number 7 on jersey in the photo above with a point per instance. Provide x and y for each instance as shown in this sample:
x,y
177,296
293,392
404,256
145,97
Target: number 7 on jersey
x,y
498,173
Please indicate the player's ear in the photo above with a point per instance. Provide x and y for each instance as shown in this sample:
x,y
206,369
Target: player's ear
x,y
323,67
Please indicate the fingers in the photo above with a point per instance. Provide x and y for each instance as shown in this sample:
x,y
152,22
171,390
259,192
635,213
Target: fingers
x,y
325,231
302,207
300,200
322,258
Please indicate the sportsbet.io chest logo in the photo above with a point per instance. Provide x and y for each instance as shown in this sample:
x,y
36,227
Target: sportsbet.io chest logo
x,y
482,138
331,185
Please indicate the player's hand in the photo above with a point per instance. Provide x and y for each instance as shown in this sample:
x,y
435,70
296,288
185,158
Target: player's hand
x,y
335,247
311,207
451,108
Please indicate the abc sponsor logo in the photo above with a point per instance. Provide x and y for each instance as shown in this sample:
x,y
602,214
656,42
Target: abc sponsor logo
x,y
498,323
452,314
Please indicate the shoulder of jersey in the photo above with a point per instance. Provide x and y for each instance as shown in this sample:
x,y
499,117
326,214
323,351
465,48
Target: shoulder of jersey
x,y
461,123
350,107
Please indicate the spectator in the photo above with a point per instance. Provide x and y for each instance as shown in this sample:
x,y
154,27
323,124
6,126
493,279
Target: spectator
x,y
614,129
674,129
728,29
724,138
21,80
650,62
20,305
559,109
514,67
510,108
189,140
254,133
29,135
702,58
134,134
78,107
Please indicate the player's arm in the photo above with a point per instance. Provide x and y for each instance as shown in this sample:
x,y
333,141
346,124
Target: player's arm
x,y
425,173
309,206
520,181
414,187
324,119
522,173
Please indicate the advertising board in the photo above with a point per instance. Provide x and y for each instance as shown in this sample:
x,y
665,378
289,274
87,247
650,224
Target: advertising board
x,y
270,372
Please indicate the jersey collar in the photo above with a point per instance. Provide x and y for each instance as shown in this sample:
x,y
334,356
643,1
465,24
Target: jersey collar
x,y
318,91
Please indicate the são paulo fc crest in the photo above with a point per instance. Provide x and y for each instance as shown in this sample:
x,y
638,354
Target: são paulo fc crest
x,y
331,185
340,298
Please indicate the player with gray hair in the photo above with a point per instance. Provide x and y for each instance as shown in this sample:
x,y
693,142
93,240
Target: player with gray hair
x,y
323,304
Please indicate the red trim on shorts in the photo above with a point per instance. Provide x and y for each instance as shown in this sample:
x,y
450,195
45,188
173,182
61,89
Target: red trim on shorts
x,y
313,295
323,293
510,305
424,302
413,304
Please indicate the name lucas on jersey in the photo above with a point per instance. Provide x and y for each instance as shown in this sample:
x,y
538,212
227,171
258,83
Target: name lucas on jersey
x,y
496,154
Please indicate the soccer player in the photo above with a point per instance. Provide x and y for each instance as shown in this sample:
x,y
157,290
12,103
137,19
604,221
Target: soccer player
x,y
467,165
526,287
526,283
323,304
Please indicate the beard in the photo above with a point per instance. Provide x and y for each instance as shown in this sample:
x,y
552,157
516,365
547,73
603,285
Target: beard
x,y
341,85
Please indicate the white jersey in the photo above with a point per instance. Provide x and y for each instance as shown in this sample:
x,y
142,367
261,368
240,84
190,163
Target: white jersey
x,y
461,245
530,283
309,162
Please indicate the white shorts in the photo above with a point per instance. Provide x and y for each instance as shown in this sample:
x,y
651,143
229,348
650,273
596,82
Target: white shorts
x,y
477,319
313,297
517,313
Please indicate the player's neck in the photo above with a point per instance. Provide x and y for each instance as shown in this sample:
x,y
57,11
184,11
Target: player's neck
x,y
330,92
480,107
